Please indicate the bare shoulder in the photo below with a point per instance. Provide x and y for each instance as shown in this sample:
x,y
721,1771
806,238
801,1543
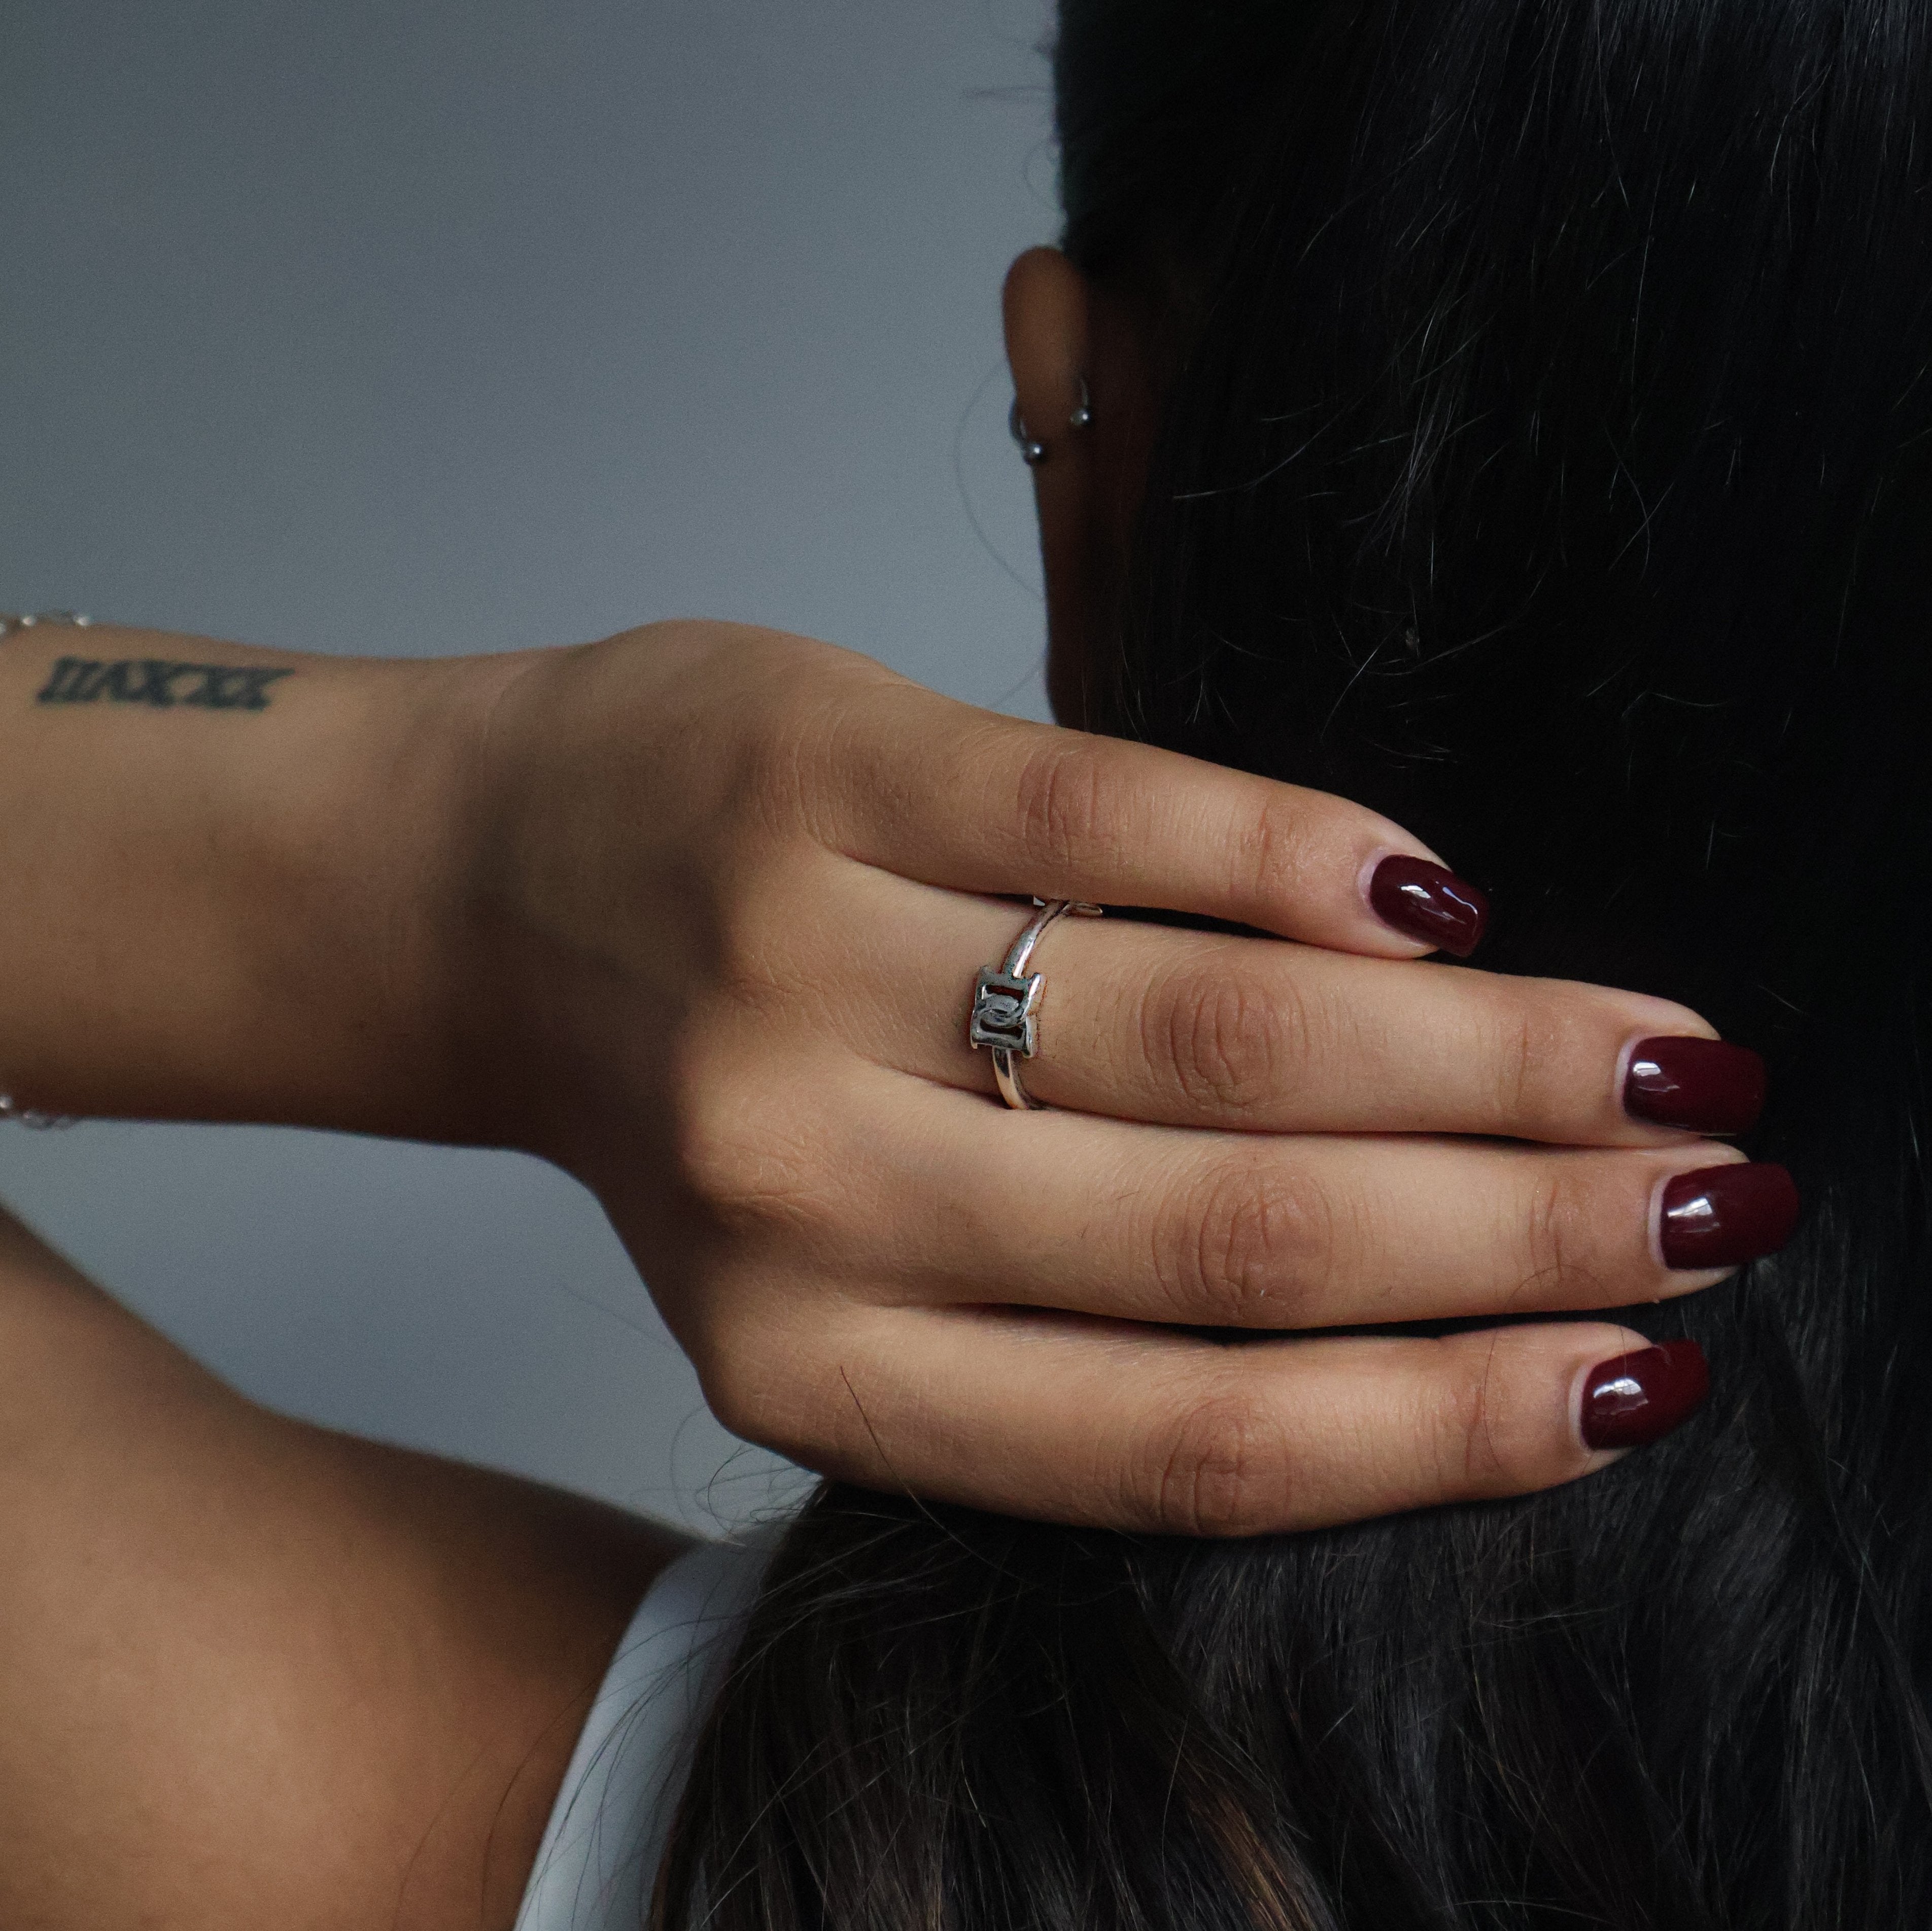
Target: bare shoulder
x,y
257,1673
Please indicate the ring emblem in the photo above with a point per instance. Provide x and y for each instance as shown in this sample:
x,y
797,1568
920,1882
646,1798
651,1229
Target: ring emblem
x,y
1002,1011
1004,1016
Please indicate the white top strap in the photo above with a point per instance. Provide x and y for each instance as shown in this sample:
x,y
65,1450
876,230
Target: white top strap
x,y
606,1835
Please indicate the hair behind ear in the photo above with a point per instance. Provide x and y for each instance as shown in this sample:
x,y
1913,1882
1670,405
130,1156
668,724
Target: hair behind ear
x,y
1547,467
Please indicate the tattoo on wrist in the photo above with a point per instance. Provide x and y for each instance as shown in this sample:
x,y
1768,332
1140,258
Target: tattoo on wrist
x,y
160,684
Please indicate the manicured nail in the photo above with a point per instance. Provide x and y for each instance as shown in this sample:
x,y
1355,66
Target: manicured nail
x,y
1632,1400
1705,1085
1423,901
1723,1216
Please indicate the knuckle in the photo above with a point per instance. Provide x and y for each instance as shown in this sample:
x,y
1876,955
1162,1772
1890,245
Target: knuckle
x,y
1271,857
1067,811
1516,1057
735,1383
1485,1444
1250,1247
712,1158
738,1168
1227,1044
776,1373
769,774
762,945
751,1362
1222,1469
1555,1235
738,958
1533,1089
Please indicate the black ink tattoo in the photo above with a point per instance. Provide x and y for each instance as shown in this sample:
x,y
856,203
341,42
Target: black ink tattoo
x,y
160,684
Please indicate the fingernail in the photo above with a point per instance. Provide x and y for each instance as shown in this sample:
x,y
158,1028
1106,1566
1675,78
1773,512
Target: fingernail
x,y
1707,1085
1632,1400
1423,901
1723,1216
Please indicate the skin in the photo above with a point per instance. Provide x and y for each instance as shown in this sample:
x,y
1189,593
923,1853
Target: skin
x,y
694,913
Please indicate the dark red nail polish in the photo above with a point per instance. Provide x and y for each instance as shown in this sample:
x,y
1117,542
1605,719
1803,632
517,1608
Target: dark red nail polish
x,y
1423,901
1632,1400
1705,1085
1723,1216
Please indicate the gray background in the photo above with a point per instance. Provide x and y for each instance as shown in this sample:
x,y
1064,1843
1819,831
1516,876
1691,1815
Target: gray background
x,y
435,327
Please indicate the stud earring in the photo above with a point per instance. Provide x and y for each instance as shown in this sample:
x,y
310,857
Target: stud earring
x,y
1033,451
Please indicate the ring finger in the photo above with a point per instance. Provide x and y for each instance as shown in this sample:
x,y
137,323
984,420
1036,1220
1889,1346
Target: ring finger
x,y
1152,1023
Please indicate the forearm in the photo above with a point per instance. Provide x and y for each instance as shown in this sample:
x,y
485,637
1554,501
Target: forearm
x,y
227,886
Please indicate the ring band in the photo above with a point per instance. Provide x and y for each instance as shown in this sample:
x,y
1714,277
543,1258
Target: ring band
x,y
1004,1018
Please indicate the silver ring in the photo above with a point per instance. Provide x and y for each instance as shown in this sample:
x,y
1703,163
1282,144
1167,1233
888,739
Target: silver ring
x,y
1005,1017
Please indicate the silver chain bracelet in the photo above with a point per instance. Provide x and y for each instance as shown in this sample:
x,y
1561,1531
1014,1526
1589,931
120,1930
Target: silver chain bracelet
x,y
11,624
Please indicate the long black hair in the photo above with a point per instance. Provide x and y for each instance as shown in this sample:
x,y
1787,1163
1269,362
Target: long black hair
x,y
1547,466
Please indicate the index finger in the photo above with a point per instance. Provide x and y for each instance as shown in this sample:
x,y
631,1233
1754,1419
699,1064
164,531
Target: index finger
x,y
955,797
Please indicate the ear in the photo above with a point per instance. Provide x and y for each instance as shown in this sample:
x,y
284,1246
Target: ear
x,y
1047,310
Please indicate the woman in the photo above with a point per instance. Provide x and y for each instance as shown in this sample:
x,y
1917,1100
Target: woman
x,y
696,913
1500,386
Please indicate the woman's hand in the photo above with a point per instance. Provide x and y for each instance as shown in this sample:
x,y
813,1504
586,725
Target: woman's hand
x,y
733,889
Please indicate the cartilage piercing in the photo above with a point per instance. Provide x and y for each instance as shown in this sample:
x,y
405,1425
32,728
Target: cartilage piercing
x,y
1033,451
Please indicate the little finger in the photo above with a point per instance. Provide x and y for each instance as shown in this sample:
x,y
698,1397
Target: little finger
x,y
1130,1429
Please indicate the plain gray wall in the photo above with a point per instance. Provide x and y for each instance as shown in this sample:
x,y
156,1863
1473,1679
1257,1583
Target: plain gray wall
x,y
434,327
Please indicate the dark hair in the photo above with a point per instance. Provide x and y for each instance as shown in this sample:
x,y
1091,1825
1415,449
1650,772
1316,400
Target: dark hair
x,y
1547,467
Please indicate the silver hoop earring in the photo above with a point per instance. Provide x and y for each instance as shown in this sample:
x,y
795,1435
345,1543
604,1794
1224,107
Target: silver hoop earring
x,y
1032,454
1033,451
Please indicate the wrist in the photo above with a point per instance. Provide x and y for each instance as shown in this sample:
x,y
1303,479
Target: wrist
x,y
476,952
218,910
578,850
523,859
379,940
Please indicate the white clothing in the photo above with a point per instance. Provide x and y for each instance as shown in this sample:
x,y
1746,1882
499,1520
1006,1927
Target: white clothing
x,y
606,1835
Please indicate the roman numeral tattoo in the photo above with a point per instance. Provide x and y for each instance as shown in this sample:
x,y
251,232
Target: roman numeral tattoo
x,y
159,684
